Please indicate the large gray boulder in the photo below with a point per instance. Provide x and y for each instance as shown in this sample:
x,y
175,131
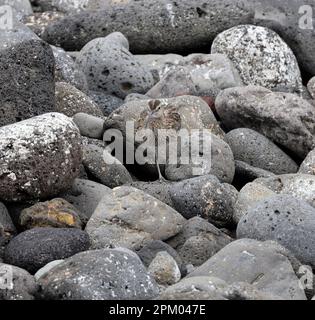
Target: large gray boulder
x,y
284,118
261,57
284,219
116,274
127,217
40,157
257,263
25,94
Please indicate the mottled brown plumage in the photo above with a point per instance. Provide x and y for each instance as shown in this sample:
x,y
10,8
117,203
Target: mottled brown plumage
x,y
159,116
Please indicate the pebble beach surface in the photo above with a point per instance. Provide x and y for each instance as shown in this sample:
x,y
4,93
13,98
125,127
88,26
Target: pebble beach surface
x,y
81,222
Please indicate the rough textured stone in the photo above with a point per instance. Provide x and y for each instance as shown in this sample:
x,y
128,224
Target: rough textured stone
x,y
301,186
284,219
253,148
258,263
198,75
25,94
164,269
33,249
24,284
171,32
85,195
205,197
56,213
89,126
108,275
107,103
129,218
67,71
261,57
308,165
70,101
284,118
110,68
106,169
40,157
198,241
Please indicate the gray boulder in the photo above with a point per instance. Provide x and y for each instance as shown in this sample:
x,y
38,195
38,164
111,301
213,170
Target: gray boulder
x,y
253,148
110,68
33,249
24,286
284,219
108,275
40,157
308,165
261,57
128,217
284,118
256,263
25,94
89,126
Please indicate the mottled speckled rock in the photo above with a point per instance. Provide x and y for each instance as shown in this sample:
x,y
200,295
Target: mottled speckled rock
x,y
33,249
85,195
7,228
261,57
25,94
164,269
67,71
284,219
198,241
258,263
40,157
108,275
204,197
301,186
308,165
105,168
253,148
130,218
203,75
24,284
70,101
89,126
187,26
110,68
284,118
56,213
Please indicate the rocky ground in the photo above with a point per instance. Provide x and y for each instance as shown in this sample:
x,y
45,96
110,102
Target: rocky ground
x,y
77,223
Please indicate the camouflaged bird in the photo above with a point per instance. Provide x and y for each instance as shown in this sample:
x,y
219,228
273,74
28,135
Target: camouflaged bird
x,y
159,116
